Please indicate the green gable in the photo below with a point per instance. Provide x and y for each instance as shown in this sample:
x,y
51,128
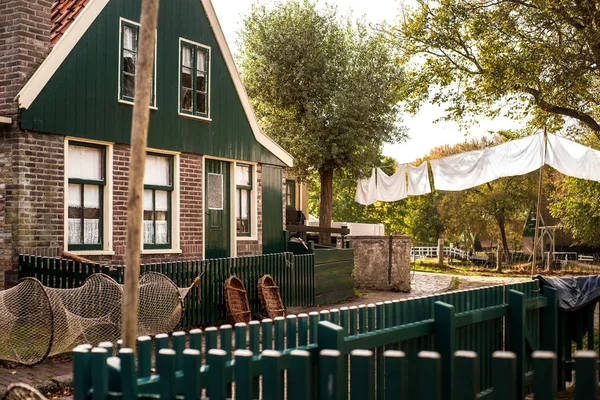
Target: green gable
x,y
81,98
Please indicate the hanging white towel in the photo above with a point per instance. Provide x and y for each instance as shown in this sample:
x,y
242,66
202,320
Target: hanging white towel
x,y
418,180
366,190
573,159
474,168
391,188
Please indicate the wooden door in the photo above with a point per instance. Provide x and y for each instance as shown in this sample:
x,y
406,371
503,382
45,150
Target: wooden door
x,y
217,224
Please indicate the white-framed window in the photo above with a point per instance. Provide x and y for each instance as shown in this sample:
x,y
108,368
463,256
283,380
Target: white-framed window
x,y
88,191
194,79
128,63
160,231
243,199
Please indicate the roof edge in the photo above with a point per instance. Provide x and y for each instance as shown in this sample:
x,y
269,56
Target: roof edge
x,y
59,53
260,137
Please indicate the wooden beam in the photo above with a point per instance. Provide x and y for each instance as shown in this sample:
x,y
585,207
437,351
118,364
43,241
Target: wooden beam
x,y
316,229
5,121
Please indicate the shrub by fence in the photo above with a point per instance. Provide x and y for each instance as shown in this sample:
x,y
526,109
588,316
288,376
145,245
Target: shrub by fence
x,y
294,274
315,350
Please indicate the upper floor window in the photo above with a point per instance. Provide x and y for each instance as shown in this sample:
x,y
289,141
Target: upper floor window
x,y
194,79
158,189
243,189
87,181
128,63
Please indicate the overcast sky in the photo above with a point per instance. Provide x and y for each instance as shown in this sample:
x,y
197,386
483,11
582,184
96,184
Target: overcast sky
x,y
424,134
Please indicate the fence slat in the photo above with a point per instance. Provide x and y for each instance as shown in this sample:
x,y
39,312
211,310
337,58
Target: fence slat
x,y
362,381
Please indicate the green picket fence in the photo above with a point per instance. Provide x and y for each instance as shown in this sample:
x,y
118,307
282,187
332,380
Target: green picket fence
x,y
520,318
294,274
182,375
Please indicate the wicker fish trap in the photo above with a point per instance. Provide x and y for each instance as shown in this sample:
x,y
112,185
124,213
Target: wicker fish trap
x,y
270,299
236,300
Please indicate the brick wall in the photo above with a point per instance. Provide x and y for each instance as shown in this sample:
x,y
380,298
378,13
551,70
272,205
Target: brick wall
x,y
24,43
253,247
34,190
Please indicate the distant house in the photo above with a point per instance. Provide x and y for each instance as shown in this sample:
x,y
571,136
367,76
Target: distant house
x,y
214,185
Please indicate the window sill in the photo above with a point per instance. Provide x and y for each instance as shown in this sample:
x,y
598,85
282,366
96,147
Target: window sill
x,y
161,251
92,252
131,103
207,119
247,238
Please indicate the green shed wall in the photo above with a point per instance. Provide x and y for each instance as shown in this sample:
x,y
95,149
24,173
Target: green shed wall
x,y
81,98
272,210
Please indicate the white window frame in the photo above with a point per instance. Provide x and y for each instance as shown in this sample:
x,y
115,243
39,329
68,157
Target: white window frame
x,y
107,199
192,43
253,203
153,106
175,207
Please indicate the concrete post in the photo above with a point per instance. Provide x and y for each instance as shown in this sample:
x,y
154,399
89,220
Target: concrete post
x,y
440,251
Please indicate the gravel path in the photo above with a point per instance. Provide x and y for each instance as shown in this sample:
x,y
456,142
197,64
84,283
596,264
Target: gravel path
x,y
422,284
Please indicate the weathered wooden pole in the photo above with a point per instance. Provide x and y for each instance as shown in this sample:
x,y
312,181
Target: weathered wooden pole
x,y
539,208
137,163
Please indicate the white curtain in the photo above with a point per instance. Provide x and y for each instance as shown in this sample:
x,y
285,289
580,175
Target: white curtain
x,y
158,171
418,180
85,163
366,190
186,56
391,188
573,159
128,38
473,168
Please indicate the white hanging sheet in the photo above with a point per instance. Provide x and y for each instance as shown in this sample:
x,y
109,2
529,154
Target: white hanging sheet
x,y
391,188
418,180
366,190
474,168
573,159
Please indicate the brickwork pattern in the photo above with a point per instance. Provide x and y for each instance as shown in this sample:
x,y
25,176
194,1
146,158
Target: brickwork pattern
x,y
24,43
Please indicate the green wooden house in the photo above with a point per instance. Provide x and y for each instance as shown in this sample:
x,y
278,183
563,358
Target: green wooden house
x,y
214,183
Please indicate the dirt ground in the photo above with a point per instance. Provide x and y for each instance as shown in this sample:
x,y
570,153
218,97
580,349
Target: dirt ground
x,y
422,284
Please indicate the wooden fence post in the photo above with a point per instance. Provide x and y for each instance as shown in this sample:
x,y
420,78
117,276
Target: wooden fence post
x,y
445,332
428,380
331,337
515,334
467,379
586,373
504,365
331,375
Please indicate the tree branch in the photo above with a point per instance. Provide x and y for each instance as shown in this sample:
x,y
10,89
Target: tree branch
x,y
567,112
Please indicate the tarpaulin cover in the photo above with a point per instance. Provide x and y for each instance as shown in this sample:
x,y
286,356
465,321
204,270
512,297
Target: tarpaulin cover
x,y
574,292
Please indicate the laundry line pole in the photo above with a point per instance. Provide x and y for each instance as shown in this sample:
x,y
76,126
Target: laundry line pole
x,y
539,206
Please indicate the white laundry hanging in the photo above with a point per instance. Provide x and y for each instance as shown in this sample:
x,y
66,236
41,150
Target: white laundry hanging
x,y
366,190
418,180
473,168
573,159
391,188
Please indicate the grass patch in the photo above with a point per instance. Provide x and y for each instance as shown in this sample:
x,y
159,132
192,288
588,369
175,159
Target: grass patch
x,y
523,270
454,284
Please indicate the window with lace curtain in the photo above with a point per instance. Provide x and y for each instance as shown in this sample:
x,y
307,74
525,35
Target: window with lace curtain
x,y
194,81
158,189
87,180
243,190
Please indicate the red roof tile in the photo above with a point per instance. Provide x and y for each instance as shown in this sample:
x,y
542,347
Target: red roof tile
x,y
62,14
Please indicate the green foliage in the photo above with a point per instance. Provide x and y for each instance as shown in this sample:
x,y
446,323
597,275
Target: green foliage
x,y
520,58
577,203
324,87
345,209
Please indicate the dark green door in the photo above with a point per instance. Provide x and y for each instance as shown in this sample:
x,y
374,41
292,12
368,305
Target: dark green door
x,y
217,209
272,210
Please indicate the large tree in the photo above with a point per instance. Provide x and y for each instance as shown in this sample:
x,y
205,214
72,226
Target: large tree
x,y
536,58
324,87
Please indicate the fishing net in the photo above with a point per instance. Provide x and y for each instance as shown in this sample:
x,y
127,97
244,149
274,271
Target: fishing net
x,y
37,321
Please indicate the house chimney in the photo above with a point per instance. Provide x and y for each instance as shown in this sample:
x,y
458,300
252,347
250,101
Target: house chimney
x,y
24,43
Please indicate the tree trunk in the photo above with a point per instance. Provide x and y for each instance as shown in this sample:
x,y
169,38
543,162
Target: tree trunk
x,y
503,238
326,177
139,138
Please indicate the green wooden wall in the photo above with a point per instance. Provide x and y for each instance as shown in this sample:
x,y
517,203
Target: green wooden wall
x,y
333,274
81,98
272,206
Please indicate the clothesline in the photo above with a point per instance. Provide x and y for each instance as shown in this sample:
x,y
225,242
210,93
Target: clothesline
x,y
473,168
